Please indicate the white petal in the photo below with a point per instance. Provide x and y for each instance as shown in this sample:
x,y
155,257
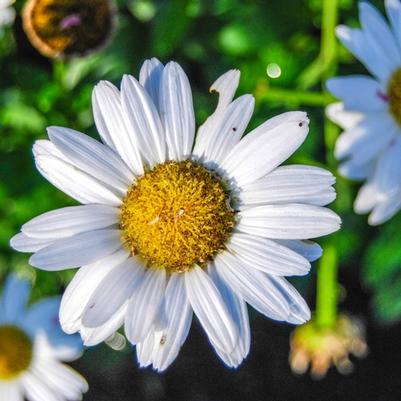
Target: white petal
x,y
372,134
253,286
22,243
290,221
393,9
79,250
37,389
299,310
92,157
81,288
359,92
68,221
308,249
94,336
239,313
385,209
291,184
63,380
144,305
227,130
211,309
267,256
177,111
266,147
150,77
225,86
367,198
113,291
11,390
145,120
355,171
344,118
113,125
177,313
379,35
146,348
15,298
72,181
387,175
362,46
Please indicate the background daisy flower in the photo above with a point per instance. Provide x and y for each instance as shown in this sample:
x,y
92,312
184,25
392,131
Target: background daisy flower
x,y
63,28
32,346
370,111
173,225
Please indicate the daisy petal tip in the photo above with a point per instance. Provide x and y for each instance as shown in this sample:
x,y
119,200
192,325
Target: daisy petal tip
x,y
329,85
342,32
365,7
373,220
338,221
67,327
34,262
155,60
54,132
127,79
100,86
14,241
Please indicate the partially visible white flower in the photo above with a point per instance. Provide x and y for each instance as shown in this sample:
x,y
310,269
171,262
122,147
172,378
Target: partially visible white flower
x,y
32,346
370,112
7,13
175,223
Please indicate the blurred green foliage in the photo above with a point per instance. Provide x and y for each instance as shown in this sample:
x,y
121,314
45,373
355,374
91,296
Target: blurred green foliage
x,y
207,38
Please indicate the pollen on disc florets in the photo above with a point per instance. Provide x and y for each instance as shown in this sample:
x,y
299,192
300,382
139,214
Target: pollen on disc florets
x,y
15,352
177,215
394,95
60,28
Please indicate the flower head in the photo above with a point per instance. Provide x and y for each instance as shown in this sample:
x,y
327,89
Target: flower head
x,y
320,348
62,28
173,225
32,345
370,112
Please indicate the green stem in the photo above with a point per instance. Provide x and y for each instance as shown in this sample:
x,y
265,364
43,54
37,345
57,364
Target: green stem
x,y
327,286
326,60
293,97
327,289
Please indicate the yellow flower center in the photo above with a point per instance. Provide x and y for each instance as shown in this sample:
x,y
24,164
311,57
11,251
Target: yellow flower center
x,y
177,215
394,95
68,27
15,352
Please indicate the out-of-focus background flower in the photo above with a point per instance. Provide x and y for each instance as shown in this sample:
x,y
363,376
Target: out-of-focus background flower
x,y
274,44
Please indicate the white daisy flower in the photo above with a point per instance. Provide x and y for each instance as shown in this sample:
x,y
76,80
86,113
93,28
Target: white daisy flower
x,y
32,345
370,112
7,13
172,225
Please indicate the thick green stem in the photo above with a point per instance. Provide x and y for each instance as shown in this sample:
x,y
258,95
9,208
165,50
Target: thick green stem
x,y
327,289
327,286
